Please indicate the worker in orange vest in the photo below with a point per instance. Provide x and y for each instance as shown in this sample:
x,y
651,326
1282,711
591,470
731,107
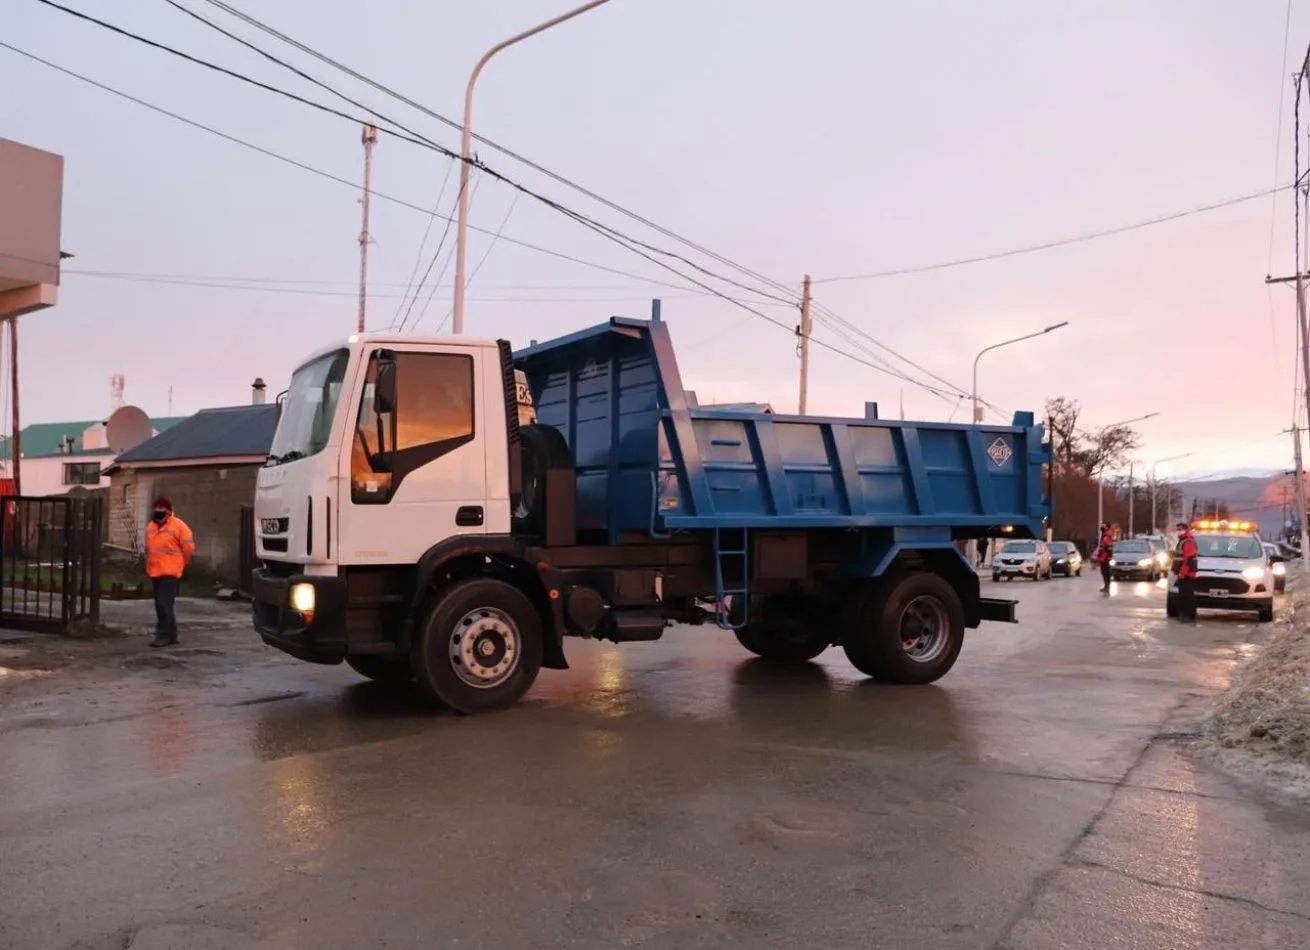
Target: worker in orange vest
x,y
1185,566
169,549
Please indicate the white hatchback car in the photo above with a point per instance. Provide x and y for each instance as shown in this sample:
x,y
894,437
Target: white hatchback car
x,y
1030,559
1233,573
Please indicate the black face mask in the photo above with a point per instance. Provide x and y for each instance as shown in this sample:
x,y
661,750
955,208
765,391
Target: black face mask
x,y
160,517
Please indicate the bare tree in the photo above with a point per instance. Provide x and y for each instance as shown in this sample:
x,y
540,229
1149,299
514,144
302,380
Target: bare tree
x,y
1106,448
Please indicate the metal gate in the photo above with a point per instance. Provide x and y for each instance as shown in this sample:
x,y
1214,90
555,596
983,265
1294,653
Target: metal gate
x,y
50,561
246,564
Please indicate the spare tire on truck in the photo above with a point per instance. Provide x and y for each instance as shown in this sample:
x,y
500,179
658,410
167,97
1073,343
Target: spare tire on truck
x,y
907,628
542,449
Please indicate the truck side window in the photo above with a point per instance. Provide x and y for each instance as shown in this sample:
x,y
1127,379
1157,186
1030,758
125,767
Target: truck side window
x,y
434,415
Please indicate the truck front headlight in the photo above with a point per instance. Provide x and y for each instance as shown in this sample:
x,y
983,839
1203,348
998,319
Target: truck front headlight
x,y
302,598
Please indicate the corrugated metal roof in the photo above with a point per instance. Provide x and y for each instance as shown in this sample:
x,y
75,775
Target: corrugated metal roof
x,y
211,433
47,438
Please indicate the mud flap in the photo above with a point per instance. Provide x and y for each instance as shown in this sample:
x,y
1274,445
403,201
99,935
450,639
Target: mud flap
x,y
997,610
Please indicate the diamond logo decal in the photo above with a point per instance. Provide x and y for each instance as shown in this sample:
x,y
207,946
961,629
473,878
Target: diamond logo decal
x,y
999,452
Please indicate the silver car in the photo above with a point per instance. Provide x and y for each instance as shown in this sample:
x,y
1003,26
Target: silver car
x,y
1233,573
1031,559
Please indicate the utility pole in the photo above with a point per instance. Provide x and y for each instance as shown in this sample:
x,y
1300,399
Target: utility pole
x,y
803,347
1300,494
369,138
1132,500
15,443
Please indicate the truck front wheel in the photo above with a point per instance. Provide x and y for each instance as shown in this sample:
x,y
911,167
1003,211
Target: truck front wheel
x,y
786,631
480,647
907,629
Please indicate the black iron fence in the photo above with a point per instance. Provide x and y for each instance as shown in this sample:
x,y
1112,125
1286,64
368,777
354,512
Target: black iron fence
x,y
50,561
247,562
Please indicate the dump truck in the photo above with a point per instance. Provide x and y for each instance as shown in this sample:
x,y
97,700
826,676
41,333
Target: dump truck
x,y
444,514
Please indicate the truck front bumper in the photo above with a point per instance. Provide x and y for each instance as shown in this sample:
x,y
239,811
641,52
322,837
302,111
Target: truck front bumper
x,y
316,634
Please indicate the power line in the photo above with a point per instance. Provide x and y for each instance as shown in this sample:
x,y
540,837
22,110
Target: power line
x,y
485,254
632,244
228,8
354,186
1059,242
408,135
427,230
445,233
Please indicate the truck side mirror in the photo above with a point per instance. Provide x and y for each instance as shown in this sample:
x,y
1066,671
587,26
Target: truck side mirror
x,y
384,386
280,403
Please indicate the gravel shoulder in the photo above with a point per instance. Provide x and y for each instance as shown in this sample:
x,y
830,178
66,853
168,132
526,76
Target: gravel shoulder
x,y
1259,731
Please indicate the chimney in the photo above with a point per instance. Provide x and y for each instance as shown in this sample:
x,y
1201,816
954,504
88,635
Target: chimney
x,y
257,391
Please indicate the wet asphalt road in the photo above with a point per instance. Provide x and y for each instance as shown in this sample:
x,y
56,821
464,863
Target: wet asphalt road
x,y
675,794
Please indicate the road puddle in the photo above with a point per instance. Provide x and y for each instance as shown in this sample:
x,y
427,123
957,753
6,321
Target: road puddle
x,y
10,675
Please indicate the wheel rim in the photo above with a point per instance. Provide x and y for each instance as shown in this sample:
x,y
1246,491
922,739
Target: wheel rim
x,y
925,629
484,647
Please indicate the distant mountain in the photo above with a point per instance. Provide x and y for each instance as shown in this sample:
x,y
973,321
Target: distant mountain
x,y
1259,495
1221,474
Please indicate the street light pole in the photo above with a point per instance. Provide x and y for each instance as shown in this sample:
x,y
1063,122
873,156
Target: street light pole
x,y
466,154
977,407
1100,472
1155,513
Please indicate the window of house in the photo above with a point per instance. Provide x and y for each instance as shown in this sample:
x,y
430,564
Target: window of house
x,y
434,399
81,473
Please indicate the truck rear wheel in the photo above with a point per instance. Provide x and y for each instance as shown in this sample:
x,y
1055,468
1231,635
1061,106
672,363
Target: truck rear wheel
x,y
786,631
480,647
907,629
391,670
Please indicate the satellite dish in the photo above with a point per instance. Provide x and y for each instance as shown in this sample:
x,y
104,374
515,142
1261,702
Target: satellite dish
x,y
127,428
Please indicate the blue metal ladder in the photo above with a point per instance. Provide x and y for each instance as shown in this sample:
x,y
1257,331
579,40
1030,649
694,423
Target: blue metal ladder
x,y
724,557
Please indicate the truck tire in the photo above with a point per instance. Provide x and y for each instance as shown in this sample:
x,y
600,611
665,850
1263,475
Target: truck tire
x,y
391,670
786,631
479,648
908,628
542,448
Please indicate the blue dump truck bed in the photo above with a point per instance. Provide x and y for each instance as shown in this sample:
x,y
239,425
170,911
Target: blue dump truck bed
x,y
647,459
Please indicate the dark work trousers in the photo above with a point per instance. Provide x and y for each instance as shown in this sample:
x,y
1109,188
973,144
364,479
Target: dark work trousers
x,y
1105,574
1187,598
165,595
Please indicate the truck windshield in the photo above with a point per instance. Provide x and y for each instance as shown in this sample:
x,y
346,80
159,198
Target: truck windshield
x,y
307,411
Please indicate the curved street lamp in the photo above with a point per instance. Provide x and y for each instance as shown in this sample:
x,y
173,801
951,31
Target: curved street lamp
x,y
466,154
977,408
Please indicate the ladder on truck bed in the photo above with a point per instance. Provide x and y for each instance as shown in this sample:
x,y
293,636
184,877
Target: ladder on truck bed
x,y
731,566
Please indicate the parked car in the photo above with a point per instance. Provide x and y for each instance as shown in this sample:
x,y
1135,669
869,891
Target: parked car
x,y
1134,559
1278,564
1066,559
1022,559
1164,555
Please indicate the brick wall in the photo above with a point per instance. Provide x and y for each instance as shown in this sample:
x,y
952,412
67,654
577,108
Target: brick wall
x,y
208,499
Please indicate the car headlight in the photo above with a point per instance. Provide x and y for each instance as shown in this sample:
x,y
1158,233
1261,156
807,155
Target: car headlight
x,y
1253,573
1113,562
1280,570
302,598
1144,562
1163,557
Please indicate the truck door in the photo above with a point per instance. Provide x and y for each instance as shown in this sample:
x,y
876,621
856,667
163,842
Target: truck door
x,y
416,474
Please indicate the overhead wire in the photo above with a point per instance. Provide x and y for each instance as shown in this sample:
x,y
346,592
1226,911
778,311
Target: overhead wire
x,y
1273,201
295,163
436,254
423,243
641,248
451,123
405,134
477,267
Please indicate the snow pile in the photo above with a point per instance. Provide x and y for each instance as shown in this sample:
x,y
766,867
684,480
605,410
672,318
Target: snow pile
x,y
1261,726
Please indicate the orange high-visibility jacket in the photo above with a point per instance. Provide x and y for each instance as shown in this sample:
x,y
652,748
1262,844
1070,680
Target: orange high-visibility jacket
x,y
169,547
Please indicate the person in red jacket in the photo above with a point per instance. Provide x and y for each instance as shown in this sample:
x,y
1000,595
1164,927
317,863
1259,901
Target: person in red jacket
x,y
1186,568
1102,556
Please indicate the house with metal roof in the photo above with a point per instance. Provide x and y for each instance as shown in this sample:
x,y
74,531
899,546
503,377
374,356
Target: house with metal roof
x,y
206,465
58,457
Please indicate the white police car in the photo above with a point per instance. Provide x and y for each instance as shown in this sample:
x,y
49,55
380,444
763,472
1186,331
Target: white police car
x,y
1233,570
